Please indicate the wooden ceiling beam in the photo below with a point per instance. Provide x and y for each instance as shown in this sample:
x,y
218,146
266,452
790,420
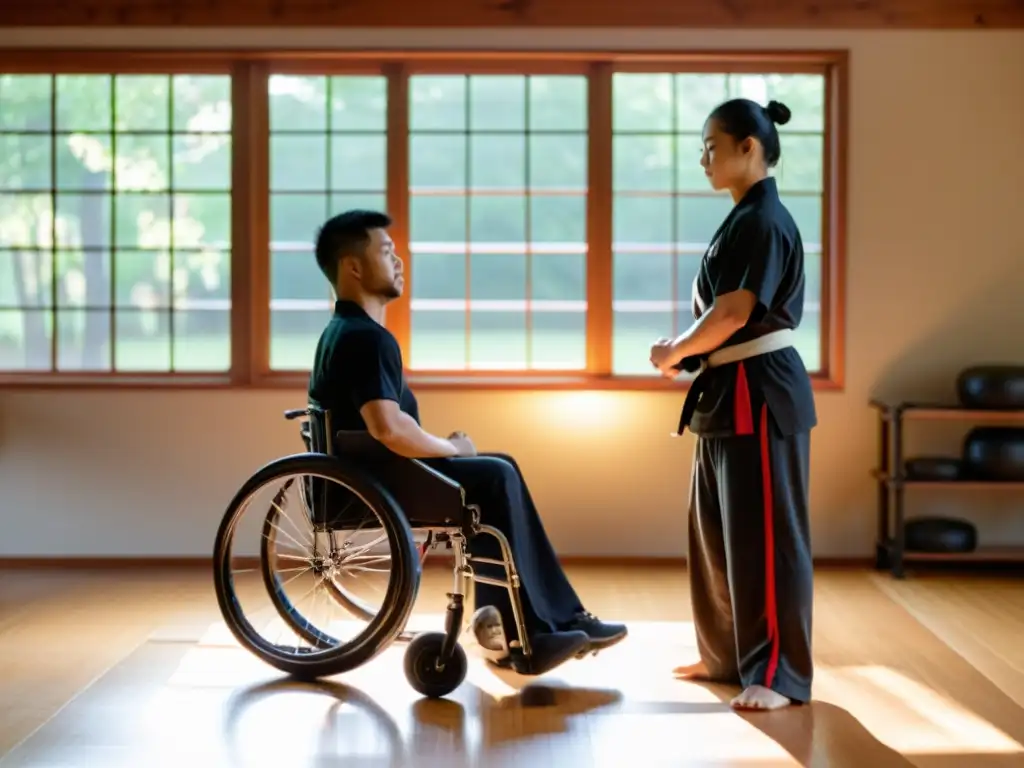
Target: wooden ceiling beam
x,y
727,14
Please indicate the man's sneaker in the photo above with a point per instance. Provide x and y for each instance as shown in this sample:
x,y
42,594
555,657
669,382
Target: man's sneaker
x,y
602,635
489,631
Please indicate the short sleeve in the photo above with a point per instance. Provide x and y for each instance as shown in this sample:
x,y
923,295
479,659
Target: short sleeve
x,y
374,368
753,259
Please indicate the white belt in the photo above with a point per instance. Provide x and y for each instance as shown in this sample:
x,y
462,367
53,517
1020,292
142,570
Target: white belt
x,y
770,342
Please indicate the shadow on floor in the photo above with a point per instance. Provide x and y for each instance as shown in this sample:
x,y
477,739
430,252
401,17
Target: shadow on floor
x,y
821,734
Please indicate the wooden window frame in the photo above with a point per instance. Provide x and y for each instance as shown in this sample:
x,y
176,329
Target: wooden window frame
x,y
250,257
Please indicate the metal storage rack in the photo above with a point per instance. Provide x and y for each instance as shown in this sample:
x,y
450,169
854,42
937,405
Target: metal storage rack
x,y
890,475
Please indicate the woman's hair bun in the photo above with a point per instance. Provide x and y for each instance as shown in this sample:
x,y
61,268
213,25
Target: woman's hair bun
x,y
778,112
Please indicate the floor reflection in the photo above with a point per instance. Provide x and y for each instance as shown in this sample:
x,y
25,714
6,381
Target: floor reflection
x,y
330,723
208,702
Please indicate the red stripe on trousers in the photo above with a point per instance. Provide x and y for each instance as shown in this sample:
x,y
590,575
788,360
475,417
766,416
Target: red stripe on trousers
x,y
771,614
744,423
742,413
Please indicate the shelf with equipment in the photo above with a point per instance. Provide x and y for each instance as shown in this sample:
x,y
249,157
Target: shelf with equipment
x,y
893,480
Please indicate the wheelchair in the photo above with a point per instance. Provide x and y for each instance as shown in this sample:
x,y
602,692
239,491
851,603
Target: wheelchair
x,y
350,481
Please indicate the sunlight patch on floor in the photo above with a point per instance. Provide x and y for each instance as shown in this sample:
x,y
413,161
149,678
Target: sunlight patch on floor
x,y
621,698
908,716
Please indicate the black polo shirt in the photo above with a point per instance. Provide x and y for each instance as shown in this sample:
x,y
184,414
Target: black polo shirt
x,y
357,360
758,248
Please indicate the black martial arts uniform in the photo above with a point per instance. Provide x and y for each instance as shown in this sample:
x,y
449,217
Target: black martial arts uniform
x,y
749,539
358,360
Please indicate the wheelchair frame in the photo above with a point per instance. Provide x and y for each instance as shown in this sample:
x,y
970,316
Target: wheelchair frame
x,y
346,447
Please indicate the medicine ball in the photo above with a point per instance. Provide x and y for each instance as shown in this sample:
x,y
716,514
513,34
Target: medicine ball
x,y
995,453
941,535
933,468
995,387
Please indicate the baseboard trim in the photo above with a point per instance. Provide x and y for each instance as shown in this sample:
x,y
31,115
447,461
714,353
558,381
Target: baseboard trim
x,y
155,563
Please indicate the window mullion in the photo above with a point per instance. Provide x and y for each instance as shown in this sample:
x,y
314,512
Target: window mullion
x,y
250,232
599,220
398,312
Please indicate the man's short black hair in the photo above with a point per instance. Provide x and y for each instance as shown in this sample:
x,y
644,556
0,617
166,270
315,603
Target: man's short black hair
x,y
347,234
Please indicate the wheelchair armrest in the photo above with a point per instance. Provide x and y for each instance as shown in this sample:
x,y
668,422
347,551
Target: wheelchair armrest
x,y
359,444
425,496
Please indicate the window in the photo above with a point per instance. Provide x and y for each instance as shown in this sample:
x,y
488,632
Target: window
x,y
328,153
159,226
498,217
115,223
665,214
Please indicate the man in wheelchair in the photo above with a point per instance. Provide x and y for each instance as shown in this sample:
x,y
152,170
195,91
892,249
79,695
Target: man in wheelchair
x,y
358,375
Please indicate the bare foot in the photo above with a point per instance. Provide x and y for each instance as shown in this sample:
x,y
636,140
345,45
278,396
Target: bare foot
x,y
757,697
698,671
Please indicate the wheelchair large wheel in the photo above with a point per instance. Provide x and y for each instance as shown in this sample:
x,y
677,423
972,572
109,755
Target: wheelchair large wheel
x,y
326,541
273,536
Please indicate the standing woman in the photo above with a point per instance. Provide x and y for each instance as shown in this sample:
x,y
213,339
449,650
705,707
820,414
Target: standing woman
x,y
752,409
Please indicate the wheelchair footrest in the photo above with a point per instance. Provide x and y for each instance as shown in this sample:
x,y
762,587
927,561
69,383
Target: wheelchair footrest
x,y
527,665
542,662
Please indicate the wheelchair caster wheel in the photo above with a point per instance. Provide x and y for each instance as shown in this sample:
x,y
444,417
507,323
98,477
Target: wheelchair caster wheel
x,y
421,668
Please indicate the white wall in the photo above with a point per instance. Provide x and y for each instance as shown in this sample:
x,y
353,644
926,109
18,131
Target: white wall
x,y
935,266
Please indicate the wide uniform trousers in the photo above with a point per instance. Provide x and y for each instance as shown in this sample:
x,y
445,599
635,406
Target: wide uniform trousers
x,y
751,576
495,483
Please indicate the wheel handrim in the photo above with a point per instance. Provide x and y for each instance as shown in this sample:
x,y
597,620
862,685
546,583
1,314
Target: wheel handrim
x,y
316,642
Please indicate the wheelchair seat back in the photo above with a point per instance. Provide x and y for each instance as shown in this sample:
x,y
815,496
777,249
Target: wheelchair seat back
x,y
425,496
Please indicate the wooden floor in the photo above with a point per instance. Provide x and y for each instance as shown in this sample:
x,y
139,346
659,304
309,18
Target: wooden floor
x,y
134,668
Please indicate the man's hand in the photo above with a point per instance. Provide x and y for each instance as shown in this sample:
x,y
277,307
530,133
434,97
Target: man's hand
x,y
462,443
